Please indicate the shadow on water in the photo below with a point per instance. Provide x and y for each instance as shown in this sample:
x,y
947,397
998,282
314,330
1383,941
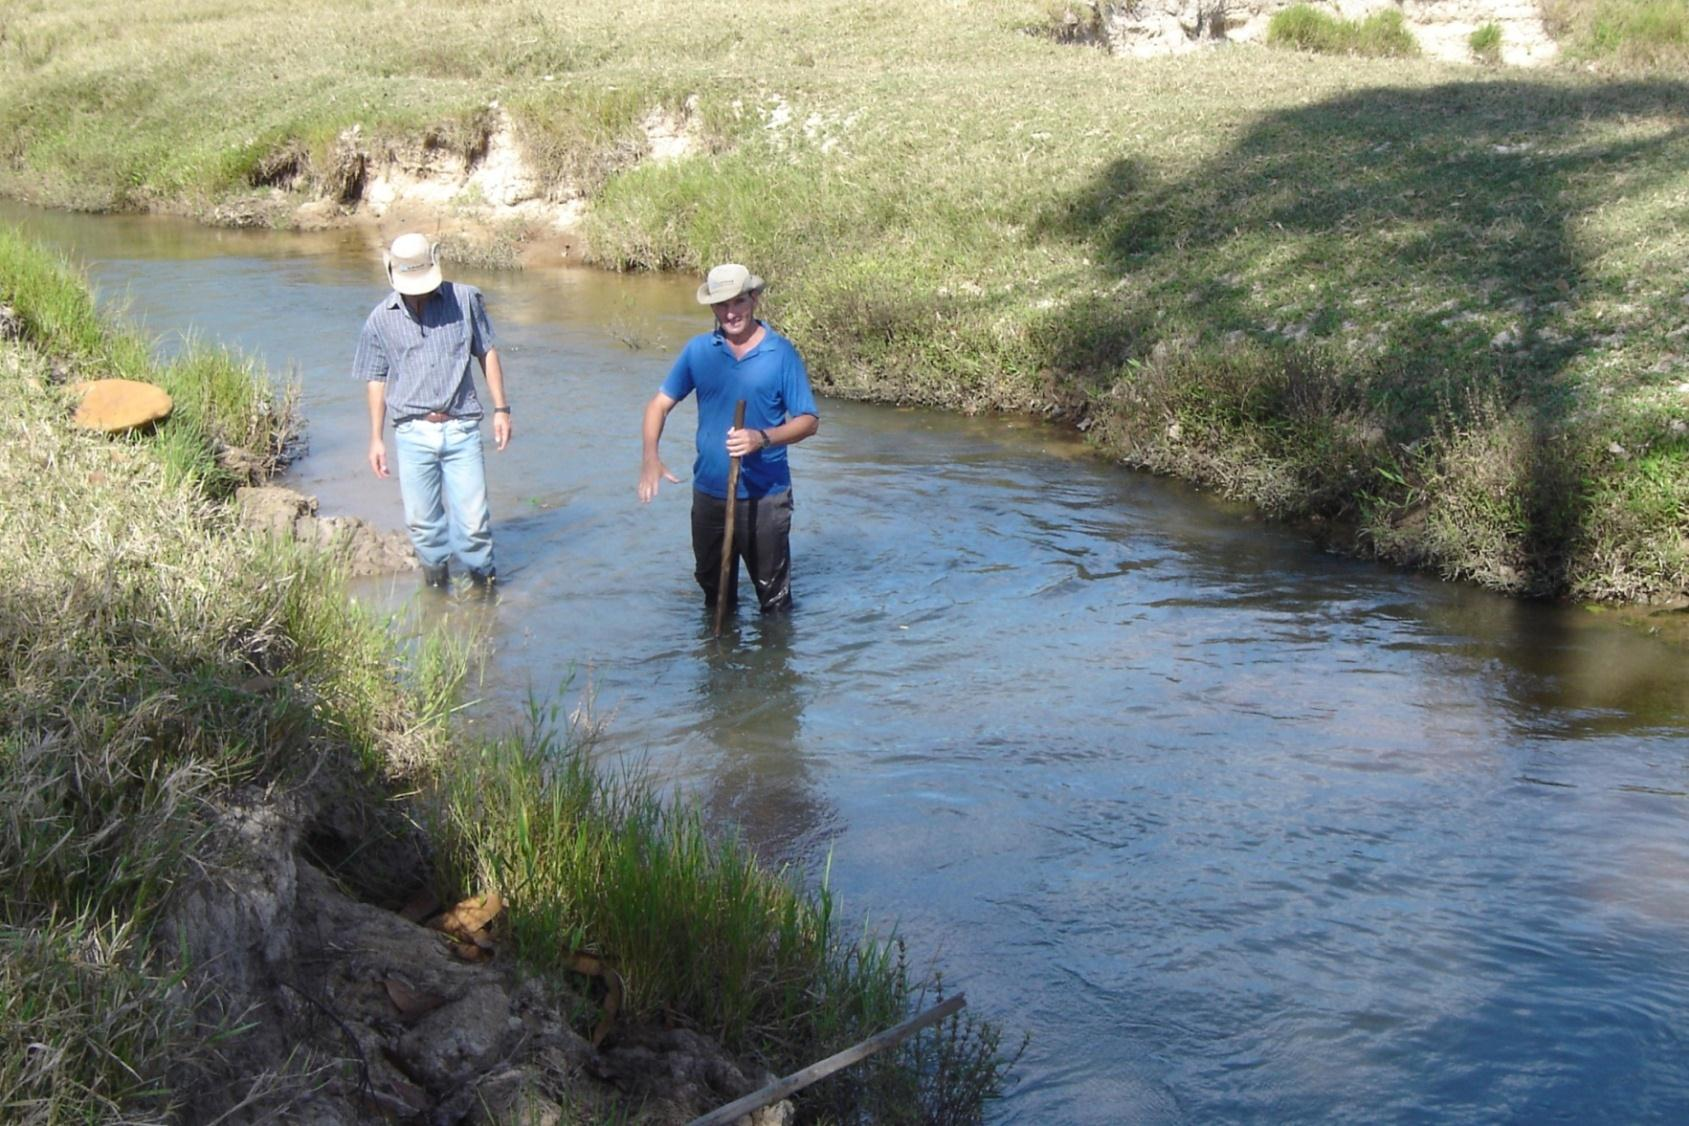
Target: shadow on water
x,y
1563,674
1455,208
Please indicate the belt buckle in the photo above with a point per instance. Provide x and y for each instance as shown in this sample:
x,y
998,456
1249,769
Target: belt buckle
x,y
437,416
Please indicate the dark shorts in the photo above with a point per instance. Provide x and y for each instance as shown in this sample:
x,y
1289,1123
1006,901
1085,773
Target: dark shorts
x,y
762,537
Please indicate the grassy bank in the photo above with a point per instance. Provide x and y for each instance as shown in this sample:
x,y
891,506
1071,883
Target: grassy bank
x,y
1432,309
699,931
132,628
160,666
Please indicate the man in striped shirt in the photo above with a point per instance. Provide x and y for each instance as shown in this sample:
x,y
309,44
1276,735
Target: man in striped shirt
x,y
415,353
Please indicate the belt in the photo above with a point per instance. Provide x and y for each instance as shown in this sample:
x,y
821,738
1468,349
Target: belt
x,y
431,416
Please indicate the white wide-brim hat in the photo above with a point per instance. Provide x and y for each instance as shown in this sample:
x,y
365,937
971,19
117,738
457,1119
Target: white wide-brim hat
x,y
413,265
726,282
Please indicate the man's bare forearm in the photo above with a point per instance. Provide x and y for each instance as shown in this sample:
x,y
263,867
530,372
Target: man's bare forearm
x,y
377,393
494,368
656,415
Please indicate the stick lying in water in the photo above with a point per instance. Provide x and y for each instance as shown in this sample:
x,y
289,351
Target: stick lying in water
x,y
728,560
815,1072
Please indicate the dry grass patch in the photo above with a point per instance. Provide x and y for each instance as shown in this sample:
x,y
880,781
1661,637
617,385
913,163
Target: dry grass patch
x,y
1637,35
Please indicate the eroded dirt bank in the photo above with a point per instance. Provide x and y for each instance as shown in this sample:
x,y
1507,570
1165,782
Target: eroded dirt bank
x,y
472,190
364,1002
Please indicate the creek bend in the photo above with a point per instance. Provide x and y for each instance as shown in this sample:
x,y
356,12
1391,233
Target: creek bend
x,y
1236,830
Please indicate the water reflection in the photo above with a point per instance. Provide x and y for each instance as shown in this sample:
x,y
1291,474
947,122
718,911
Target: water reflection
x,y
1565,673
759,776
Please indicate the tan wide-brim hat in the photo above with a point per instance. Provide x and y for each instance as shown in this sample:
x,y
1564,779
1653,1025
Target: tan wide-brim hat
x,y
413,265
726,282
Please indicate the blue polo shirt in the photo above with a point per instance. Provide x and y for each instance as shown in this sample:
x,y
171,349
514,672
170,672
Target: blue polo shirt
x,y
774,383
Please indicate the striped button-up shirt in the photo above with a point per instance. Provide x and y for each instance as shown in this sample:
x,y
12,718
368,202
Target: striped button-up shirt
x,y
426,362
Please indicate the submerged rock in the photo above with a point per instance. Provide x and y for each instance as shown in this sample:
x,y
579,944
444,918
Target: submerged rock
x,y
116,405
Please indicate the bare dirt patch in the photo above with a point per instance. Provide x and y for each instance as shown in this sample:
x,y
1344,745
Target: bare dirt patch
x,y
483,201
292,516
356,1010
1443,28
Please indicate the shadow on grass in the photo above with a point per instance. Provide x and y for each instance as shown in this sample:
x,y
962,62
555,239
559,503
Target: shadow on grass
x,y
1373,273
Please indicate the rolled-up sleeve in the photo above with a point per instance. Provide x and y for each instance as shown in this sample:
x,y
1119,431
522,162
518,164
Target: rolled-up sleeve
x,y
481,339
370,361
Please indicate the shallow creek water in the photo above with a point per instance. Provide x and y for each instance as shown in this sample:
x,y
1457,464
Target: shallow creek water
x,y
1236,830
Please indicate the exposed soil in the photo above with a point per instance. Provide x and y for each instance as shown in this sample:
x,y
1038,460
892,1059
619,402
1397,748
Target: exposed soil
x,y
357,1010
289,515
476,195
1442,28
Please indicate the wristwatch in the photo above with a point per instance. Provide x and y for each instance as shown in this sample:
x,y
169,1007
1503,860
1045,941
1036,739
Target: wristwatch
x,y
766,440
501,410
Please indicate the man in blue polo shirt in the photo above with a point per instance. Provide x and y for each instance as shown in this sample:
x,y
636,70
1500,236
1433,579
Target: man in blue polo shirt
x,y
743,359
416,354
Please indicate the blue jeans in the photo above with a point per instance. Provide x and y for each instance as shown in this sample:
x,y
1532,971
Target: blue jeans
x,y
443,480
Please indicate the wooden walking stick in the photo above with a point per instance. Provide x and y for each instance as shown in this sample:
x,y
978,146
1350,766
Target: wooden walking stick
x,y
728,560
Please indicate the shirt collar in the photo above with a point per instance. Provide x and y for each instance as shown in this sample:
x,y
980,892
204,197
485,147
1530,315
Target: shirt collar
x,y
720,337
395,300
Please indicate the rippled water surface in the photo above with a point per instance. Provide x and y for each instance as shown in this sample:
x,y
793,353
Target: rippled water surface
x,y
1237,831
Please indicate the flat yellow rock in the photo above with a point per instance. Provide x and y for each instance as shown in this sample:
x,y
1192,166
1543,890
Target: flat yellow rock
x,y
113,405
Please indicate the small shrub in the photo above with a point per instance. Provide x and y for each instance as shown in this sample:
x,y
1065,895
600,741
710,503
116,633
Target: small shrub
x,y
1485,43
1305,29
1385,35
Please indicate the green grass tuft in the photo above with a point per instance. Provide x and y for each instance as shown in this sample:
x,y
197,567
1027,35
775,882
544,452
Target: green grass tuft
x,y
697,930
83,1031
1485,43
1381,35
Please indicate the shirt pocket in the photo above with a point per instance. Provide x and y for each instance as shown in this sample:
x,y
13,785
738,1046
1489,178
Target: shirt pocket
x,y
433,348
454,334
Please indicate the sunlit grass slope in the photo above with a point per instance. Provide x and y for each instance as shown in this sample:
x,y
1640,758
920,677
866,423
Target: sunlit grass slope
x,y
1433,308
